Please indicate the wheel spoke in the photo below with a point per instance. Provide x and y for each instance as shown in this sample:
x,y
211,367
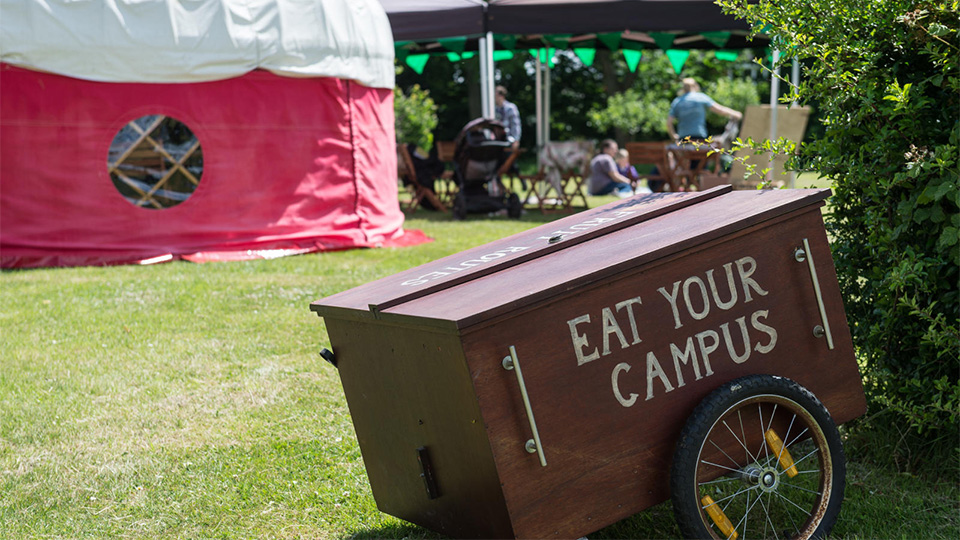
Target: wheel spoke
x,y
794,486
718,480
715,445
719,466
770,459
780,495
746,515
744,520
766,513
788,513
797,438
814,451
787,436
744,446
743,433
772,414
718,501
766,450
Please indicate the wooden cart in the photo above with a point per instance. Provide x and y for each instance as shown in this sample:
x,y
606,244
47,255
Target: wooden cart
x,y
554,382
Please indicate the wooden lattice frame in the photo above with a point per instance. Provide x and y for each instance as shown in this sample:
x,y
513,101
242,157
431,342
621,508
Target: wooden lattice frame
x,y
143,135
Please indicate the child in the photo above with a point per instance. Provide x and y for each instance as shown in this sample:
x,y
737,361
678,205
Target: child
x,y
628,170
624,167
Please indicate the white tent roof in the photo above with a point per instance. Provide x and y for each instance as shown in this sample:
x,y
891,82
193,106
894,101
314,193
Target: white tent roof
x,y
162,41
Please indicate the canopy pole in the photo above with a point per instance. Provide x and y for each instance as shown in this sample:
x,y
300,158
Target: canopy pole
x,y
774,95
538,92
481,59
546,100
487,107
795,79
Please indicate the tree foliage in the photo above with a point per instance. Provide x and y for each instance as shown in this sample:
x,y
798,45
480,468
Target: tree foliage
x,y
416,116
885,75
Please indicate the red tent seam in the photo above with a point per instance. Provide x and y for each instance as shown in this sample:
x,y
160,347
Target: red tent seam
x,y
353,157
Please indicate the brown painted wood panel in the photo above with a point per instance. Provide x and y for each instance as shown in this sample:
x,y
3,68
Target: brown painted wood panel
x,y
410,389
605,256
498,255
607,457
709,214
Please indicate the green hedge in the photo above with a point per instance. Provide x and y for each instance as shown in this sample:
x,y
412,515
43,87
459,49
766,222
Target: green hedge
x,y
885,76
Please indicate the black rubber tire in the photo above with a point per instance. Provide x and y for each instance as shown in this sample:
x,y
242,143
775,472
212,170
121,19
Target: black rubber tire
x,y
818,485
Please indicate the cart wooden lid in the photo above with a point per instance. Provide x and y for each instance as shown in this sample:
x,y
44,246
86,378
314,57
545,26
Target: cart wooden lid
x,y
486,281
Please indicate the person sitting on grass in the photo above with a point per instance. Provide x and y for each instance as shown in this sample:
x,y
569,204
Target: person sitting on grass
x,y
605,178
624,167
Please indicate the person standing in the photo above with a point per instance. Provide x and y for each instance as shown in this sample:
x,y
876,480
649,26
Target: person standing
x,y
604,176
689,113
508,115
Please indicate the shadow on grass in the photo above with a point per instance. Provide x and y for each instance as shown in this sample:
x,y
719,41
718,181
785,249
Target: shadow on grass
x,y
407,531
654,523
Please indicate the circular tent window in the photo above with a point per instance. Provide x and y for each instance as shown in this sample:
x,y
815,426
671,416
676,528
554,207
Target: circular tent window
x,y
155,162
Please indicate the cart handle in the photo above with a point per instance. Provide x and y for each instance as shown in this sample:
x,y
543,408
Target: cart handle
x,y
533,445
806,255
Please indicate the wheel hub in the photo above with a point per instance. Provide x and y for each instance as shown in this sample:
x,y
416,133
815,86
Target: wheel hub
x,y
767,479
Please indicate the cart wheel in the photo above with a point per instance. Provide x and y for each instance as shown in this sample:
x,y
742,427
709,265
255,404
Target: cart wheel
x,y
459,206
759,457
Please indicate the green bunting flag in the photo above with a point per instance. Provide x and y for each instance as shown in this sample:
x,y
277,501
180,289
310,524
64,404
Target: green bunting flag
x,y
401,53
586,55
466,55
677,59
610,41
664,41
546,55
718,39
633,58
726,55
417,62
502,55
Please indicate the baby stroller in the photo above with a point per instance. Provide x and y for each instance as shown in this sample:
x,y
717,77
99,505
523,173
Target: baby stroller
x,y
478,153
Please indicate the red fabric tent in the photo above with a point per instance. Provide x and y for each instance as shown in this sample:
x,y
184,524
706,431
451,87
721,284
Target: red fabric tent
x,y
289,165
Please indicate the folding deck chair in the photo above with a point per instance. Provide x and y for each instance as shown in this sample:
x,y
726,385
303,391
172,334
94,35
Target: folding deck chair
x,y
418,192
561,179
445,186
692,160
791,124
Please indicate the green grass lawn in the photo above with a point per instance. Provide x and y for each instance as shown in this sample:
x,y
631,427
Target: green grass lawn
x,y
188,401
